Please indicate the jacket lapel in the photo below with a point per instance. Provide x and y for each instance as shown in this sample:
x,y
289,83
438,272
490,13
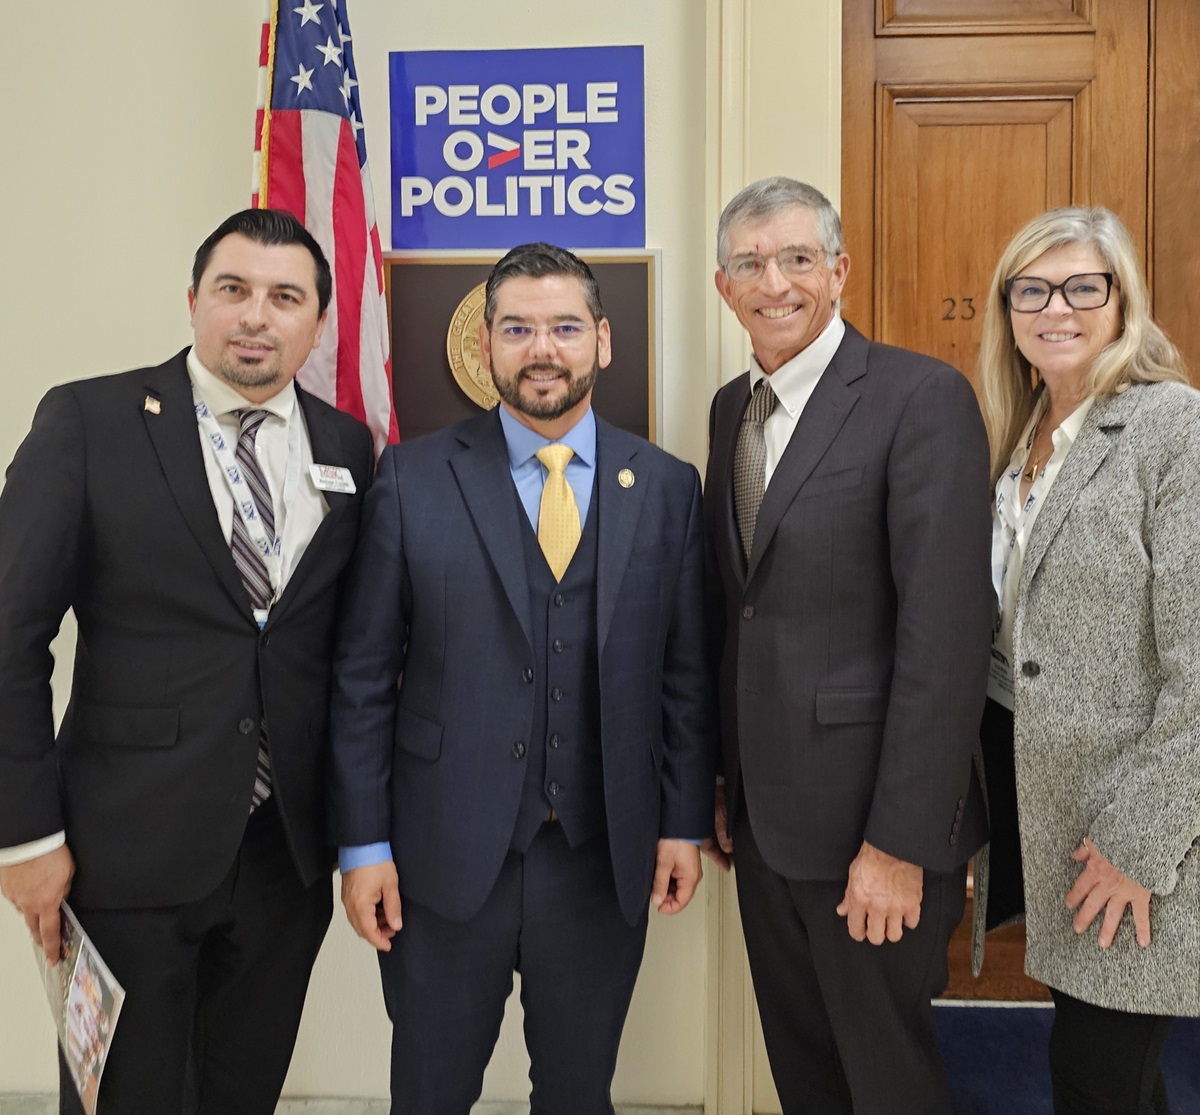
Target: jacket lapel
x,y
327,449
173,433
1091,447
619,508
731,405
830,403
485,480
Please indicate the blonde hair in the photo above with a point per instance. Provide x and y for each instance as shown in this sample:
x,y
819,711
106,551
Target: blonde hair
x,y
1140,354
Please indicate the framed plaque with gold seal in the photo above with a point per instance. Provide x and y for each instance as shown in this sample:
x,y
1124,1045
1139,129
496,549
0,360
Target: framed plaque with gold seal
x,y
435,307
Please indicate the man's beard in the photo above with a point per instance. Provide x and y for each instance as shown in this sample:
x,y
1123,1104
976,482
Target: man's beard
x,y
547,406
239,374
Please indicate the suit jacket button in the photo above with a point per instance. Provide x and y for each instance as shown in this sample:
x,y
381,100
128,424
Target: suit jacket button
x,y
555,740
527,673
552,789
556,694
518,750
953,838
557,646
265,639
1030,669
748,612
559,600
247,724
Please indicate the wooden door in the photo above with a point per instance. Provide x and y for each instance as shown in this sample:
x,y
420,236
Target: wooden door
x,y
962,121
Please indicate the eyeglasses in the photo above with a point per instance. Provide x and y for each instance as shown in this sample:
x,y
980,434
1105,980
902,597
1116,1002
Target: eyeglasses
x,y
1029,295
564,333
791,261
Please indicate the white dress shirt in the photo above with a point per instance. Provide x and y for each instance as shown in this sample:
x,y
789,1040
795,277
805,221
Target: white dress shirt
x,y
793,384
296,521
1012,524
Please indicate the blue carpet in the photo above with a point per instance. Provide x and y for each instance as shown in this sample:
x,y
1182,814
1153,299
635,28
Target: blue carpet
x,y
996,1058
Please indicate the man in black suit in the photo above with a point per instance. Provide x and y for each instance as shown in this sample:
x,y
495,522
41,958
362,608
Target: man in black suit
x,y
533,576
846,508
197,517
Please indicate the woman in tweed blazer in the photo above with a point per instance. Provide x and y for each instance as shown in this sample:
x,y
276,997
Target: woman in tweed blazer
x,y
1091,738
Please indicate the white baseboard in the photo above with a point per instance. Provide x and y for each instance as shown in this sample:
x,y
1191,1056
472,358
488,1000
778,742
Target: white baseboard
x,y
45,1104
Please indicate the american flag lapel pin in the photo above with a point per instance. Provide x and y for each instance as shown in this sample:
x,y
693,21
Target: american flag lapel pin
x,y
152,405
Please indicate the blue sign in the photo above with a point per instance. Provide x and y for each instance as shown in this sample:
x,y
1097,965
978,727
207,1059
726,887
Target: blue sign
x,y
492,148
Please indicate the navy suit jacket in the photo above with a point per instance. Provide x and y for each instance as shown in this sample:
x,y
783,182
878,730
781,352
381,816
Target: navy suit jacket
x,y
107,510
439,599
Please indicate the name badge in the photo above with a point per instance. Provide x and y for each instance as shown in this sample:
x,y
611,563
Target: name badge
x,y
332,478
1000,680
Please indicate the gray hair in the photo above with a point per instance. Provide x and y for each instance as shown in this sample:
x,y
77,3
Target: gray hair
x,y
764,199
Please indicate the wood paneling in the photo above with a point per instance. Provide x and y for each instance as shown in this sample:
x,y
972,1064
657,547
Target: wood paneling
x,y
980,17
949,199
972,134
1175,268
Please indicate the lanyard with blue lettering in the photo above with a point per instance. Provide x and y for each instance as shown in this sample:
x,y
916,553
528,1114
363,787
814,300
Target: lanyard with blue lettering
x,y
243,498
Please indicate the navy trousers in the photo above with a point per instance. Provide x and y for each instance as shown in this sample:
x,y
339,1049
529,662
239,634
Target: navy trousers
x,y
553,916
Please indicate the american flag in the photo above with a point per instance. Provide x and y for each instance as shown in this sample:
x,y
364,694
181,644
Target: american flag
x,y
311,158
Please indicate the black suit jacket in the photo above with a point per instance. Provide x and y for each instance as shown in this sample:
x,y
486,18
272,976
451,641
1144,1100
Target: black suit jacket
x,y
854,646
439,594
107,510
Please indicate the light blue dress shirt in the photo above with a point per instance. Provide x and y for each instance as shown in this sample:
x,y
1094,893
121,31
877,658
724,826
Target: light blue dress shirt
x,y
529,476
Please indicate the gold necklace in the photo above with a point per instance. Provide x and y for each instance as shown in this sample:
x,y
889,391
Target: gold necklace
x,y
1037,463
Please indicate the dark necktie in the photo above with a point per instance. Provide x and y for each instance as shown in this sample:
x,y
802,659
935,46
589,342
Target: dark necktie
x,y
250,563
750,463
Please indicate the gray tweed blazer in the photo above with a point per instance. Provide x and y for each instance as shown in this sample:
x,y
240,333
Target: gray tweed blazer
x,y
1107,707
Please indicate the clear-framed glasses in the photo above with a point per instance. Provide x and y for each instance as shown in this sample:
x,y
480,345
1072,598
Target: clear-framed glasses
x,y
1028,294
563,333
791,262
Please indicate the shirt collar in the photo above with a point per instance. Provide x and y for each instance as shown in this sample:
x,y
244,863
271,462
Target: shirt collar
x,y
523,442
1063,437
793,382
1070,426
224,399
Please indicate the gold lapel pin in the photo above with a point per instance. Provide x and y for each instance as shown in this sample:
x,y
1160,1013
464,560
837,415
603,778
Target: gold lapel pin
x,y
152,405
625,478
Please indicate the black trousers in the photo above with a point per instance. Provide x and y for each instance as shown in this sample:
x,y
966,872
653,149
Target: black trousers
x,y
848,1025
553,916
1106,1062
214,989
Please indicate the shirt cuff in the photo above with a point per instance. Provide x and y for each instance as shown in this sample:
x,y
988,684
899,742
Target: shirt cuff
x,y
363,855
23,853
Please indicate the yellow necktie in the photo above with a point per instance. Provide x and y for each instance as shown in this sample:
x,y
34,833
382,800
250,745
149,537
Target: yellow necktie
x,y
558,516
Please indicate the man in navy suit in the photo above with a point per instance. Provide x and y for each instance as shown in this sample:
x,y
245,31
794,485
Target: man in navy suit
x,y
543,768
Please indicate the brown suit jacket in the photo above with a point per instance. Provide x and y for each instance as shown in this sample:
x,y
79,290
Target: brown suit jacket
x,y
854,647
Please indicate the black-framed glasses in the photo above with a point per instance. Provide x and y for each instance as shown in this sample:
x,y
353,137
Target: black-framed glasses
x,y
1027,294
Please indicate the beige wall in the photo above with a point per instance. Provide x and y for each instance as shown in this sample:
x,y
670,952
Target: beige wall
x,y
136,140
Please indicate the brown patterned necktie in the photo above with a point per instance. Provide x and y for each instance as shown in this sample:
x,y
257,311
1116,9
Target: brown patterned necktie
x,y
558,515
250,563
750,463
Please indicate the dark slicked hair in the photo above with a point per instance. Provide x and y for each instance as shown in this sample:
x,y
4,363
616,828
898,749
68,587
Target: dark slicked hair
x,y
540,261
268,227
